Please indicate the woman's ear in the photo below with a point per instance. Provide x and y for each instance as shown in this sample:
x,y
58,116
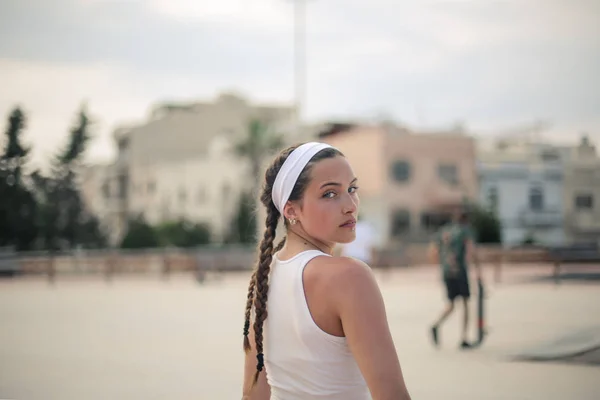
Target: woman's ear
x,y
289,211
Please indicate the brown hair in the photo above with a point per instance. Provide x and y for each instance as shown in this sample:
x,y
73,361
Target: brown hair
x,y
259,282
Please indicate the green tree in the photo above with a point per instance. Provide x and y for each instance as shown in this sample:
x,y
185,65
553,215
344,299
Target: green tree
x,y
529,239
198,234
70,204
244,223
183,234
257,144
63,219
486,224
69,158
92,234
15,152
47,212
17,203
139,235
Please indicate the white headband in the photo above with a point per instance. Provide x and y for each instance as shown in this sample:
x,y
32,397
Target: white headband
x,y
290,171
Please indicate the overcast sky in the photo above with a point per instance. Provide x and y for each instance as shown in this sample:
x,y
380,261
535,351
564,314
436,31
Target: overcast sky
x,y
495,65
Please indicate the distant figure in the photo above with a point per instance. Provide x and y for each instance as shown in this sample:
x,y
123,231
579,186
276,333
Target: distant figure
x,y
363,246
453,245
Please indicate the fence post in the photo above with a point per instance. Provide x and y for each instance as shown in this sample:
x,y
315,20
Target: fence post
x,y
498,266
109,266
556,271
166,265
200,266
50,268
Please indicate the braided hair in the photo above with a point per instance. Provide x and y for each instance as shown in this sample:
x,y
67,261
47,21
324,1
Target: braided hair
x,y
258,288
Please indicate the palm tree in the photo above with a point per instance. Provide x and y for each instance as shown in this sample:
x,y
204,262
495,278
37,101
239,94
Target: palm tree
x,y
259,142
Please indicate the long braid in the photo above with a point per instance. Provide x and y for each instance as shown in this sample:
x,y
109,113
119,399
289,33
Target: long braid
x,y
265,200
262,283
251,287
279,246
249,300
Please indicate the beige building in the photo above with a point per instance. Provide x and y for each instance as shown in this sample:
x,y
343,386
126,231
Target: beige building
x,y
202,189
406,177
176,132
582,194
180,163
105,194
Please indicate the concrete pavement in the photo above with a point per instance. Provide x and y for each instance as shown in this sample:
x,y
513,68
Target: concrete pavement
x,y
147,339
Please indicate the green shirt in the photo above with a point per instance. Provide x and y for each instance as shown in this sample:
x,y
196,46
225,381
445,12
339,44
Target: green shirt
x,y
452,248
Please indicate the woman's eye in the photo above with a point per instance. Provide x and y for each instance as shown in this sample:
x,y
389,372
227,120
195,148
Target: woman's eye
x,y
331,195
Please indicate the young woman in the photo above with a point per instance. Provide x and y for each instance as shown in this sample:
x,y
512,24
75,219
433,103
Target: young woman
x,y
326,335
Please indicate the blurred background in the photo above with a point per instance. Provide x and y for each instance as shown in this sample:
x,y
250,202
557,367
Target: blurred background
x,y
135,136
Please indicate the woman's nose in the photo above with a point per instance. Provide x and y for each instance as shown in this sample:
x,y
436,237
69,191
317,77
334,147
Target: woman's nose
x,y
350,205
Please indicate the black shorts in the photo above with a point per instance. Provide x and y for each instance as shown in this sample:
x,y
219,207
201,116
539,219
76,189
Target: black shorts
x,y
457,287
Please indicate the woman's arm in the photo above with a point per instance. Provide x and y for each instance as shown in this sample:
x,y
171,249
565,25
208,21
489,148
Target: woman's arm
x,y
362,313
261,390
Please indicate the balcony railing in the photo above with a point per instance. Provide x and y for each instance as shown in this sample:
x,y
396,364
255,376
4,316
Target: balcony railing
x,y
541,218
584,222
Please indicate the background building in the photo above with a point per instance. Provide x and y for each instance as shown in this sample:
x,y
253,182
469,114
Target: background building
x,y
523,182
180,163
582,194
102,193
406,177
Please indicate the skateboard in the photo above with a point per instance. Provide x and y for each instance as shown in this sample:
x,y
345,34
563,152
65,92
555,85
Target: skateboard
x,y
481,326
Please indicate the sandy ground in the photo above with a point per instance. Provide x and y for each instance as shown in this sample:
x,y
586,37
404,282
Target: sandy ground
x,y
142,338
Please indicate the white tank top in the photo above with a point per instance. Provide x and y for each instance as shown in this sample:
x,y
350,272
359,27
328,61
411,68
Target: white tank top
x,y
302,360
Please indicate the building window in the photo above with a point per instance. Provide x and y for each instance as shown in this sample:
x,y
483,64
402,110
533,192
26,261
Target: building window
x,y
106,190
123,184
182,195
584,174
432,221
550,156
401,171
492,198
448,173
536,198
123,144
584,202
400,222
201,196
226,192
165,209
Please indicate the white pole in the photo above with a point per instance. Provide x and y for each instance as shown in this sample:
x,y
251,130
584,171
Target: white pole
x,y
299,61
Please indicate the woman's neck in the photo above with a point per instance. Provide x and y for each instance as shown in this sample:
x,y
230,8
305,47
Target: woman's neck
x,y
298,241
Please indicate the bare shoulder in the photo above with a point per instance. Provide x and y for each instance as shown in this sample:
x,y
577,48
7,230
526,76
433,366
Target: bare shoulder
x,y
344,275
340,267
356,299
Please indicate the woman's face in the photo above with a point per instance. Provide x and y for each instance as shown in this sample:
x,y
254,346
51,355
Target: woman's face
x,y
329,206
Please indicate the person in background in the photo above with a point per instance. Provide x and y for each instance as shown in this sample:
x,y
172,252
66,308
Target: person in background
x,y
453,246
363,247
